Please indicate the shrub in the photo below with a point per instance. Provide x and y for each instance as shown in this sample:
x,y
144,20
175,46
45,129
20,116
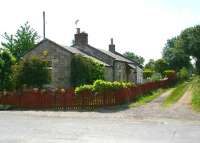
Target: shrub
x,y
100,86
6,73
183,74
147,73
156,77
85,70
33,73
169,73
83,88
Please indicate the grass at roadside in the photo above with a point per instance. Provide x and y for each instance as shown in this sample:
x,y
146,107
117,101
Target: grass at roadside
x,y
146,98
176,94
140,100
196,94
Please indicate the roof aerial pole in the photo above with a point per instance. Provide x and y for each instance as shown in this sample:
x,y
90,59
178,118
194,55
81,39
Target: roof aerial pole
x,y
43,24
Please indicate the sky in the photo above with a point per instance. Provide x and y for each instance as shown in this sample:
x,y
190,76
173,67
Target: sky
x,y
139,26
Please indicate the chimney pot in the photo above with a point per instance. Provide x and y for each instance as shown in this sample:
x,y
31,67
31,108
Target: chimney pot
x,y
81,38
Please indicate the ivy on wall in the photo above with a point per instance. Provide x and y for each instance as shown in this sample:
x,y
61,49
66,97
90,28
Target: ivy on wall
x,y
85,70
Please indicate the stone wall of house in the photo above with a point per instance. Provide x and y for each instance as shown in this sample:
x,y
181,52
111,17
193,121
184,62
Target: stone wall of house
x,y
59,62
108,75
120,71
132,76
139,75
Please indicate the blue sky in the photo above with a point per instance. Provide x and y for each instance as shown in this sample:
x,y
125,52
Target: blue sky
x,y
139,26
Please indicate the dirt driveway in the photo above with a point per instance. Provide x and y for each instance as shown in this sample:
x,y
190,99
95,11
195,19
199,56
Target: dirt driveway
x,y
181,110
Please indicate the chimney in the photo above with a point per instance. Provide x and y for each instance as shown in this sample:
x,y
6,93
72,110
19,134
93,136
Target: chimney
x,y
112,46
81,38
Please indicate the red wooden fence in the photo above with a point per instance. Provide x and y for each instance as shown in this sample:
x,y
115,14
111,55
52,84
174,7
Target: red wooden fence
x,y
67,99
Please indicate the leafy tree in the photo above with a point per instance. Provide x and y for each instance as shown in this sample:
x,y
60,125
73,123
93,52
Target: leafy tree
x,y
147,73
183,74
134,57
190,42
175,56
23,41
33,73
85,70
150,65
6,63
161,66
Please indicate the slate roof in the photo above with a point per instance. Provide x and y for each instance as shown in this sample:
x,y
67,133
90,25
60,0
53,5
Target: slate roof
x,y
77,51
119,57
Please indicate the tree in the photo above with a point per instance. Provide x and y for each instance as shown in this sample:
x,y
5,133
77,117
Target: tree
x,y
23,41
175,56
33,73
6,63
134,57
161,66
190,42
150,65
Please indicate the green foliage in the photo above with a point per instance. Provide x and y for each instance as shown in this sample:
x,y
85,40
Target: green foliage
x,y
83,88
147,73
85,70
196,94
134,57
183,74
33,73
190,40
6,63
156,77
23,41
100,86
150,65
169,73
161,66
175,55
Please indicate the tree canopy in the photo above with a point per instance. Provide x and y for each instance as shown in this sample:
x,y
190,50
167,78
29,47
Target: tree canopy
x,y
134,57
20,43
174,55
190,43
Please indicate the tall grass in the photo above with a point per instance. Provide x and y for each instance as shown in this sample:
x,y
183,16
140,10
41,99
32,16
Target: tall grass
x,y
196,94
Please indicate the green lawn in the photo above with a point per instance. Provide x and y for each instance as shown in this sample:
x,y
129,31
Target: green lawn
x,y
176,94
196,94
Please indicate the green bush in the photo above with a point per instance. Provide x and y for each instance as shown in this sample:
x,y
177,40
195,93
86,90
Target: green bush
x,y
33,73
85,70
100,86
156,77
6,73
169,73
147,73
83,88
183,74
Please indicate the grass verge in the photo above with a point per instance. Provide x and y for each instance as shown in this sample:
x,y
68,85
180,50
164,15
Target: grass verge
x,y
140,100
196,94
176,94
146,98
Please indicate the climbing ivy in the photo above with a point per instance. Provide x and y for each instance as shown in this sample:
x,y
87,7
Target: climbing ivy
x,y
85,70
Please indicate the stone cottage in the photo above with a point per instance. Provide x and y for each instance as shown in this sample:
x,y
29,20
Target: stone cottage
x,y
118,67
